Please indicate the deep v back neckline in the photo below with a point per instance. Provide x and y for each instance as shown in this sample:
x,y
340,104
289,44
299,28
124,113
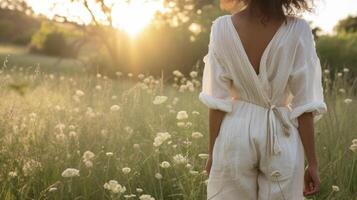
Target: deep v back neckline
x,y
265,51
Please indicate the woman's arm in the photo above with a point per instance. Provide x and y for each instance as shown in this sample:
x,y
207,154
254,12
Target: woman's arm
x,y
306,131
215,120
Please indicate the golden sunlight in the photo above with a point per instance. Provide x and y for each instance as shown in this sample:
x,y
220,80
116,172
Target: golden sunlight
x,y
133,17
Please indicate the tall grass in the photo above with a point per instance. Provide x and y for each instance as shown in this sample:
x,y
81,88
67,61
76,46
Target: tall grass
x,y
104,127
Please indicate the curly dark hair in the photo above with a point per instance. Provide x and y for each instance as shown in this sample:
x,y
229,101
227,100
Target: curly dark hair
x,y
275,8
281,8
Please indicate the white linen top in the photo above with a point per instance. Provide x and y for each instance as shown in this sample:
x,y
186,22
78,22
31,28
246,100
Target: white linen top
x,y
289,71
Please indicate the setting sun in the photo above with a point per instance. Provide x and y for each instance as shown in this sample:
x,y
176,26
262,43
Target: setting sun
x,y
130,16
133,17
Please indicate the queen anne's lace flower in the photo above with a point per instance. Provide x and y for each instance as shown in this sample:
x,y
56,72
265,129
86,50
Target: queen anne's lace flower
x,y
114,187
31,167
146,197
159,100
158,176
335,188
70,172
160,138
114,108
165,164
126,170
197,135
181,115
179,159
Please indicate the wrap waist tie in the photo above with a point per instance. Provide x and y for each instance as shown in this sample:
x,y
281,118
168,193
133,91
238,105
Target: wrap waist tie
x,y
272,141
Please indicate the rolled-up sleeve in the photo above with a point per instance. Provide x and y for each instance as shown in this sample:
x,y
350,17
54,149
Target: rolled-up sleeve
x,y
216,81
305,81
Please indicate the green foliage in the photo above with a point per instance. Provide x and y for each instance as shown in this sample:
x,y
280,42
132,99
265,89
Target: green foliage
x,y
347,25
338,51
16,27
52,40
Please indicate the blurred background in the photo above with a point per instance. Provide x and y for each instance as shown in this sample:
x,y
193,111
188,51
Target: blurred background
x,y
143,36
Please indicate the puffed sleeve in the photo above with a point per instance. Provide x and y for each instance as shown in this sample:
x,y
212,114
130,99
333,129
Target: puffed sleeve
x,y
216,81
305,81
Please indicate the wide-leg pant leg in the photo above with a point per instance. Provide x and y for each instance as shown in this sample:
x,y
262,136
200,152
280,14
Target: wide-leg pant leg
x,y
234,171
291,187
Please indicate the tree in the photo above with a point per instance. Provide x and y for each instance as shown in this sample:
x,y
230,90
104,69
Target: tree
x,y
20,5
347,25
114,41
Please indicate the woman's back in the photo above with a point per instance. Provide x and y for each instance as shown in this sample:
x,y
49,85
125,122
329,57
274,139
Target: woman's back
x,y
263,79
254,35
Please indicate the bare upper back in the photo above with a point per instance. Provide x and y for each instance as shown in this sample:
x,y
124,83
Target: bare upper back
x,y
254,35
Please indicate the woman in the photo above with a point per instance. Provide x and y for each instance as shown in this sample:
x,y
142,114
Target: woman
x,y
262,85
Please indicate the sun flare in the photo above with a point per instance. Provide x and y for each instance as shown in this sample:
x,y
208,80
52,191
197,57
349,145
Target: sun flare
x,y
133,17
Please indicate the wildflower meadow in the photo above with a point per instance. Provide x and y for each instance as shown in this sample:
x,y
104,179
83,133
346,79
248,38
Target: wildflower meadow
x,y
136,136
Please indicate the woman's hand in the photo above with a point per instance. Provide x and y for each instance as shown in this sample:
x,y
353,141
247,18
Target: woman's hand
x,y
311,181
208,164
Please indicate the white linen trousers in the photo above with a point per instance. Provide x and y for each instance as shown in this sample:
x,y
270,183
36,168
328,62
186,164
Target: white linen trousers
x,y
258,152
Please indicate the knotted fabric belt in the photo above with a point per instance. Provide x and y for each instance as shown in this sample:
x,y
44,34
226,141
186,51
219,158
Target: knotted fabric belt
x,y
272,141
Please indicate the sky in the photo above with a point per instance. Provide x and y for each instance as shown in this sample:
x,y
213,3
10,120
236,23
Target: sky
x,y
329,12
326,15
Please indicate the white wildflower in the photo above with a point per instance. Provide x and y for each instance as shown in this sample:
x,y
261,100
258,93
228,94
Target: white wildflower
x,y
353,147
347,100
189,166
13,174
354,141
335,188
70,172
126,170
165,164
146,197
88,155
158,176
79,93
181,115
136,146
197,135
88,163
160,138
159,100
114,187
193,74
114,108
31,167
203,155
177,73
346,70
179,159
109,154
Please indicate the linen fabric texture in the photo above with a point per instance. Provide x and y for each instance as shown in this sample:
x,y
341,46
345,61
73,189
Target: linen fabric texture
x,y
258,153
